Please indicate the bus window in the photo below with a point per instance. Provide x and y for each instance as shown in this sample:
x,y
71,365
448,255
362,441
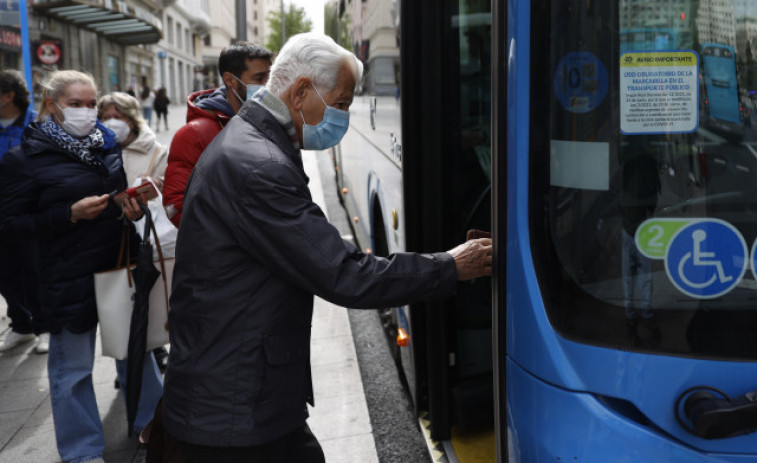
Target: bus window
x,y
643,222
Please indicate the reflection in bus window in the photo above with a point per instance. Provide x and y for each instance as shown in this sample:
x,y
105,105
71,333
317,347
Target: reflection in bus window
x,y
596,275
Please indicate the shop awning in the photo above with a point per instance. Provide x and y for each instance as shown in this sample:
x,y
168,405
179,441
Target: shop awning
x,y
118,21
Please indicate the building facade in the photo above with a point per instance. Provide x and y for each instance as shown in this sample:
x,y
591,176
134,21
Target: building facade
x,y
178,57
112,40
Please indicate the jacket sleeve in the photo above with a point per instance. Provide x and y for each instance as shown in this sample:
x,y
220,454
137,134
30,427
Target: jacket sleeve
x,y
186,147
281,227
19,191
159,170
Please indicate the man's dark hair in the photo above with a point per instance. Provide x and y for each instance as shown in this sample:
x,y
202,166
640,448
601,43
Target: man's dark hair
x,y
234,58
13,81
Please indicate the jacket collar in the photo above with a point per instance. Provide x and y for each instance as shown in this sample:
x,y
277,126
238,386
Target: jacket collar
x,y
268,125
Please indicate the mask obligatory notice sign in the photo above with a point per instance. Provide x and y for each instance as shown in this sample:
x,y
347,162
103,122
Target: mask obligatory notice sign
x,y
659,92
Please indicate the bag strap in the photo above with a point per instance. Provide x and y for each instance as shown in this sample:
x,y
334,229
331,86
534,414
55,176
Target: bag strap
x,y
158,149
161,259
125,244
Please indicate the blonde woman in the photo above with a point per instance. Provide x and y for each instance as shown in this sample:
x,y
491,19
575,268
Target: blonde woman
x,y
55,189
142,155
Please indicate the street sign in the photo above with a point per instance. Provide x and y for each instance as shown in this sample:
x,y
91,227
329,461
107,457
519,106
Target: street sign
x,y
10,13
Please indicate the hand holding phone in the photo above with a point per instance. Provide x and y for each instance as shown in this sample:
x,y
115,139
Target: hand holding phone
x,y
144,192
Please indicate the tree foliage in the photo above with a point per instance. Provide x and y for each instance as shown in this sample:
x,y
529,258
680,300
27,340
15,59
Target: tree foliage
x,y
295,22
337,26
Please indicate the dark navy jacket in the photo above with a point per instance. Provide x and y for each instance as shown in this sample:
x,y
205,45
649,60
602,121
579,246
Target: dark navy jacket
x,y
252,250
38,184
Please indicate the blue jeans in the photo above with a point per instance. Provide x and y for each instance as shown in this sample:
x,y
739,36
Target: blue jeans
x,y
78,429
147,114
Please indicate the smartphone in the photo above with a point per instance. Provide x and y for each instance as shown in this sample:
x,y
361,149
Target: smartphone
x,y
147,188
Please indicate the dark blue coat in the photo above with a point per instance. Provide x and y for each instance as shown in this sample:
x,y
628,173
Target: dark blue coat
x,y
252,251
38,184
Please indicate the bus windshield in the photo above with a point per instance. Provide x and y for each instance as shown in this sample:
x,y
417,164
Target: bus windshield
x,y
644,173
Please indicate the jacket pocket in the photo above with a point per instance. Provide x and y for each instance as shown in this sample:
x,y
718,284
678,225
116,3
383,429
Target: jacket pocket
x,y
287,371
285,349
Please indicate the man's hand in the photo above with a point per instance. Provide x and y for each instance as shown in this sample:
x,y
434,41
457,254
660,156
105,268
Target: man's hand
x,y
88,208
473,258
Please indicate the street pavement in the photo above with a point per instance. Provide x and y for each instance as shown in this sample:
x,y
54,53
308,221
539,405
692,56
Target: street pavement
x,y
340,419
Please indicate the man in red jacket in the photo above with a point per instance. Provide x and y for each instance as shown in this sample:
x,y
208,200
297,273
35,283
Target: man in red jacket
x,y
244,68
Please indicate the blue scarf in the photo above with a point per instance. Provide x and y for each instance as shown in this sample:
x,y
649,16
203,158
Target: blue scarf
x,y
79,149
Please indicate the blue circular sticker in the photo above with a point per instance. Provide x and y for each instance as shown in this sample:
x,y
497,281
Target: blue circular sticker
x,y
580,82
706,259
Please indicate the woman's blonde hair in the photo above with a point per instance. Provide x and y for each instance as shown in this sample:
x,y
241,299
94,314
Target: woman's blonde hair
x,y
125,104
57,84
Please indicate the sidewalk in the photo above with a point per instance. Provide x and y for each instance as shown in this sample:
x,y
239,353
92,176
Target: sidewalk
x,y
340,419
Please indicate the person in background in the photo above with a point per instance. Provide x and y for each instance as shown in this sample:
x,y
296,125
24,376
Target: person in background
x,y
143,157
253,251
244,68
161,108
147,99
54,188
18,272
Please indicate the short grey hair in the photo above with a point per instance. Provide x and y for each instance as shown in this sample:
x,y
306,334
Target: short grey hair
x,y
311,55
125,104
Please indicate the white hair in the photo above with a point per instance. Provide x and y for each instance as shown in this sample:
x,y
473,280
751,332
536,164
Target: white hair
x,y
311,55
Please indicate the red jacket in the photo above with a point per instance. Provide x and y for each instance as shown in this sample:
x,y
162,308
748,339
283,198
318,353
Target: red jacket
x,y
207,113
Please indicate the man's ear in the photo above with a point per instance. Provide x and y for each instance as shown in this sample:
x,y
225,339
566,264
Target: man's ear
x,y
227,80
298,90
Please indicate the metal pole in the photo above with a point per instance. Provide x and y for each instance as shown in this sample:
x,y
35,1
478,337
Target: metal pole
x,y
283,25
26,48
241,20
338,15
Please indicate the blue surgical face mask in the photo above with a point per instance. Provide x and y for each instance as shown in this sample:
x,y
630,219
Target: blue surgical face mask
x,y
329,131
251,89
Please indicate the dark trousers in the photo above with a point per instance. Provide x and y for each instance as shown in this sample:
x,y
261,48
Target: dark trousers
x,y
19,286
300,446
164,114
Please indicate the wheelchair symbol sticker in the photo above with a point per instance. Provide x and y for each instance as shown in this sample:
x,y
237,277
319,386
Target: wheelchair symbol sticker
x,y
706,258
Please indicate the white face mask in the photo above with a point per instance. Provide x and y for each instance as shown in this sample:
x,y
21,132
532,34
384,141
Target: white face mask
x,y
119,127
78,122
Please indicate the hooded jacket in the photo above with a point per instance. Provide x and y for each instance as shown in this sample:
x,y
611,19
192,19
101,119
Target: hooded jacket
x,y
139,153
38,184
252,251
207,114
11,136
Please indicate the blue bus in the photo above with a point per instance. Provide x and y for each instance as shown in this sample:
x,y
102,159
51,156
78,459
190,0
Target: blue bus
x,y
723,110
647,39
620,322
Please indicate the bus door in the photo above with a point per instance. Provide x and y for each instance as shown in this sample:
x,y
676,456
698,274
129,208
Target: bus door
x,y
446,87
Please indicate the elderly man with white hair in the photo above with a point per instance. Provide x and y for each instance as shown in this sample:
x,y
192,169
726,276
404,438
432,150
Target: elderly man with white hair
x,y
252,252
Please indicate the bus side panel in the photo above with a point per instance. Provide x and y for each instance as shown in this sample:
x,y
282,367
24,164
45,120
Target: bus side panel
x,y
547,423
